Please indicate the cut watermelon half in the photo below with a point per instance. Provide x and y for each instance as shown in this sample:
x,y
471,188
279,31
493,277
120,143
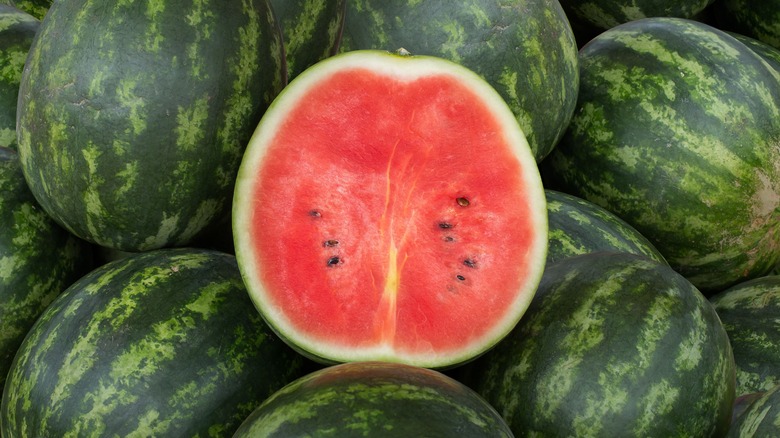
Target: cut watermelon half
x,y
388,207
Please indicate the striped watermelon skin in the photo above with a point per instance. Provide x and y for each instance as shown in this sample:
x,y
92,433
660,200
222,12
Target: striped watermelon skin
x,y
577,226
769,53
614,344
605,14
524,48
759,20
38,259
36,8
760,419
131,127
749,312
160,343
675,132
311,30
370,399
17,30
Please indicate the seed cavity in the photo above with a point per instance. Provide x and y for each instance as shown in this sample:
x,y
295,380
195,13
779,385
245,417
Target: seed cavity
x,y
315,213
460,277
448,239
333,261
445,225
330,243
463,202
470,263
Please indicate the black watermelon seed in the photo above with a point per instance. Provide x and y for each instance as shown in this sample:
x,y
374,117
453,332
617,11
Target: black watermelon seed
x,y
330,243
463,202
448,239
315,213
470,263
445,225
333,261
460,277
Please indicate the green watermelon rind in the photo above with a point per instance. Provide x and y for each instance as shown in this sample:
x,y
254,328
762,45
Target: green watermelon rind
x,y
759,419
38,259
374,399
131,128
614,344
403,65
606,14
675,133
159,343
17,31
311,31
577,226
749,312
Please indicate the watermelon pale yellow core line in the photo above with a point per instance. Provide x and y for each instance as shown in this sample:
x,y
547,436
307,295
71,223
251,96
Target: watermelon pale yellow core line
x,y
352,243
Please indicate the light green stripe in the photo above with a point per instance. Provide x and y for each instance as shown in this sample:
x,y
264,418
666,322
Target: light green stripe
x,y
191,122
658,402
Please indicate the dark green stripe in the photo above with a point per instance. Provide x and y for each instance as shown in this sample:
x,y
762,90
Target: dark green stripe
x,y
142,120
612,344
675,126
526,50
164,343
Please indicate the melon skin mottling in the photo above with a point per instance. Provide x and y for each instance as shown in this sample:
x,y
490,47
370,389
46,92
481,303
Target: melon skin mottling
x,y
613,344
133,117
381,242
374,399
676,133
525,49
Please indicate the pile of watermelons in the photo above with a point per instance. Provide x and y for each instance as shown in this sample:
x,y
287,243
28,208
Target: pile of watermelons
x,y
380,218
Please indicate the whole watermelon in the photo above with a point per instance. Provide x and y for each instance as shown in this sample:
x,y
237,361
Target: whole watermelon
x,y
750,311
133,116
524,48
613,344
676,133
38,259
374,399
160,343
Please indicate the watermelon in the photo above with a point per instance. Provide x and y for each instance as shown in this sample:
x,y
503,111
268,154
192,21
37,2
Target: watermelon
x,y
759,20
38,259
524,48
749,311
675,132
760,419
371,399
770,54
613,344
17,30
131,127
742,403
159,343
388,207
35,8
606,14
311,30
577,226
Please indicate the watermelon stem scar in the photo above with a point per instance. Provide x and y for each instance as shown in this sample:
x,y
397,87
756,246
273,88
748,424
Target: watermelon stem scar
x,y
389,208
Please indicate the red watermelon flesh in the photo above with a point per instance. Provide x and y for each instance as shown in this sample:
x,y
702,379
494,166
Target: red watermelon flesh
x,y
389,208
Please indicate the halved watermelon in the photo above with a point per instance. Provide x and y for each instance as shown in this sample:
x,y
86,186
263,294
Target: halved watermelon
x,y
388,207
